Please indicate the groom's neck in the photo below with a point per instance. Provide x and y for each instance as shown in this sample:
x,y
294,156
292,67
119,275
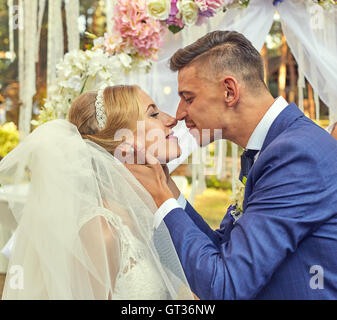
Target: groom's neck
x,y
251,111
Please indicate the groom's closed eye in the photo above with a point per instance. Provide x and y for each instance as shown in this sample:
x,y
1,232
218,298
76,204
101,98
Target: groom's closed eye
x,y
188,99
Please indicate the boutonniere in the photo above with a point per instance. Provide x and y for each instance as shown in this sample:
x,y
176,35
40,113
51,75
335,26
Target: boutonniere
x,y
237,200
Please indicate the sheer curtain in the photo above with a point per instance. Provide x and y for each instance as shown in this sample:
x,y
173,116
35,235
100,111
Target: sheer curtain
x,y
312,37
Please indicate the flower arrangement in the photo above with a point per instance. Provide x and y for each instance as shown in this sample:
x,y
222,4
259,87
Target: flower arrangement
x,y
137,33
175,14
9,138
81,71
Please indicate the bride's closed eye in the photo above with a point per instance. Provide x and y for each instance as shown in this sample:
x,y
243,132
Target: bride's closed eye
x,y
155,115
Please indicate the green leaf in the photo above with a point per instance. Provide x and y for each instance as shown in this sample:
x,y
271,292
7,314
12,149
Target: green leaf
x,y
175,29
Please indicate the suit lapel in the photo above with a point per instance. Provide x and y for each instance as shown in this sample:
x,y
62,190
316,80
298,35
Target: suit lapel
x,y
284,120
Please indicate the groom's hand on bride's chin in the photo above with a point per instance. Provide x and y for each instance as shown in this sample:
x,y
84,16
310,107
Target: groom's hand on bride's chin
x,y
153,178
171,184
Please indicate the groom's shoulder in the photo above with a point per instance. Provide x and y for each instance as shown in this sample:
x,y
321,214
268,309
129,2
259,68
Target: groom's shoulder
x,y
303,139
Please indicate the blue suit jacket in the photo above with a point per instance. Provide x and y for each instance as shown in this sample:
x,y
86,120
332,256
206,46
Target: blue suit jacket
x,y
289,223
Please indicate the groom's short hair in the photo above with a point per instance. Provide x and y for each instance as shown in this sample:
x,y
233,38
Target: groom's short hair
x,y
222,51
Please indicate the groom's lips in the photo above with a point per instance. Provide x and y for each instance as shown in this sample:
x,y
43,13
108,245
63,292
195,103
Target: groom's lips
x,y
190,126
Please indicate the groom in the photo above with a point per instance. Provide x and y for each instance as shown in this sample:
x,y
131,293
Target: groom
x,y
284,244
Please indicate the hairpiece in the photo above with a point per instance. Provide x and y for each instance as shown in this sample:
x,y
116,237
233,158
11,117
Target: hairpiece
x,y
100,111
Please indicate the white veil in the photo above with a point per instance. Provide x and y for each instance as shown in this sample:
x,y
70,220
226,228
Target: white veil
x,y
85,228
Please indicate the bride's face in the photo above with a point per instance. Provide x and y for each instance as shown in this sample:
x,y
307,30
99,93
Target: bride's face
x,y
159,138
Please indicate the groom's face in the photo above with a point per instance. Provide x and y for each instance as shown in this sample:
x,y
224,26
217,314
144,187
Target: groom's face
x,y
201,105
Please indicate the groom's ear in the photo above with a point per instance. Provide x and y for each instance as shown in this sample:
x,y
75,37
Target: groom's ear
x,y
231,91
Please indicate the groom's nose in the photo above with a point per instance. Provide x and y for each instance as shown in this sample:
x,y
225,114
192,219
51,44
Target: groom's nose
x,y
167,120
181,112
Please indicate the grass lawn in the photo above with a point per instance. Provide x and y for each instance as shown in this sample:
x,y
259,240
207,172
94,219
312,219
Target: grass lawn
x,y
212,205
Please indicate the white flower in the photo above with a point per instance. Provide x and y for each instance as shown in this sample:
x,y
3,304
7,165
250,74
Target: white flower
x,y
227,2
125,59
76,59
99,42
74,82
238,197
189,11
159,9
141,65
201,4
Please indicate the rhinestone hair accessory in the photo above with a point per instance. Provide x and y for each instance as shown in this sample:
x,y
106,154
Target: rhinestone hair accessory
x,y
100,111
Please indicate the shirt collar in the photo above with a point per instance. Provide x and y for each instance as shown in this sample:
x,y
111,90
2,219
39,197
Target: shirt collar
x,y
258,136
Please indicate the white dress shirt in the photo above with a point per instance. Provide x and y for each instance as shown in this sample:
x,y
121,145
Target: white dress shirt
x,y
331,127
255,142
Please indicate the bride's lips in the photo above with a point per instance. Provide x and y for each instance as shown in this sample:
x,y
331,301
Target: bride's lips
x,y
171,136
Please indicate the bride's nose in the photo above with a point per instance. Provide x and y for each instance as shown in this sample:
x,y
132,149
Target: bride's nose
x,y
167,120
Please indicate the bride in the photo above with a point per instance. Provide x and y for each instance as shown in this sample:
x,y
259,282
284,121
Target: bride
x,y
85,227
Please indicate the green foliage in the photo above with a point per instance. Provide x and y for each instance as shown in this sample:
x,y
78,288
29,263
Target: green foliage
x,y
213,182
9,138
175,29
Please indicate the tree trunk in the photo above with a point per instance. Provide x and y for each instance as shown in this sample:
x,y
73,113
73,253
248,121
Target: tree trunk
x,y
264,54
292,77
311,102
283,69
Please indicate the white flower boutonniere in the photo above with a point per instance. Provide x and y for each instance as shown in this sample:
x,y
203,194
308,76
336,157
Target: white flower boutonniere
x,y
237,201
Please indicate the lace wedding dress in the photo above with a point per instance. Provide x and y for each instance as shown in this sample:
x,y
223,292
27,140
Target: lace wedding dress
x,y
137,278
85,228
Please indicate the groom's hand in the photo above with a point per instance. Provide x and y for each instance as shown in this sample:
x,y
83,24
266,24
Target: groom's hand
x,y
170,183
153,178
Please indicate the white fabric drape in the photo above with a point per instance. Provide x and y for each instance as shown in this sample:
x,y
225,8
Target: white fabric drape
x,y
42,6
55,39
73,33
27,67
109,9
11,27
309,28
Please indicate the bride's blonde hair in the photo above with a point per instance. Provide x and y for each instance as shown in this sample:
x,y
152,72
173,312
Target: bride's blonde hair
x,y
122,107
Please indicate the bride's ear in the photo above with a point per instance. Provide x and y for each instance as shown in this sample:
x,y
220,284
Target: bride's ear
x,y
125,153
126,147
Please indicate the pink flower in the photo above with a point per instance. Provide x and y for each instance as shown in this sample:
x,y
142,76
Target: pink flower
x,y
208,8
140,33
173,18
